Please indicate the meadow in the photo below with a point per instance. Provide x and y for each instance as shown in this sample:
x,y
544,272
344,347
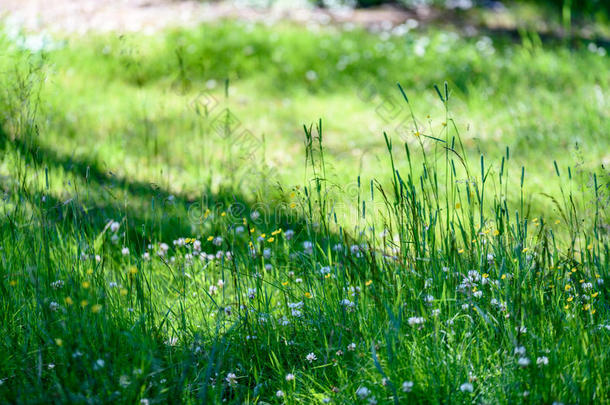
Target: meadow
x,y
243,213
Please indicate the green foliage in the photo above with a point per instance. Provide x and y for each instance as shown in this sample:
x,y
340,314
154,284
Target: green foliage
x,y
438,266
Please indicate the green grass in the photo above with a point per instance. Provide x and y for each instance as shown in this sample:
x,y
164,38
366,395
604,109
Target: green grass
x,y
430,249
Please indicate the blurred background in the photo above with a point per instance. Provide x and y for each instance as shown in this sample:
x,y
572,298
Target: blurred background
x,y
193,95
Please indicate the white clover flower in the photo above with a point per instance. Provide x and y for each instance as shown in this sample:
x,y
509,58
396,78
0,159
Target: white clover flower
x,y
415,320
284,321
362,392
125,251
436,312
268,266
586,286
239,229
407,386
227,311
325,270
146,256
542,361
355,250
279,394
289,234
231,379
251,293
311,357
428,298
217,241
311,75
196,245
465,307
254,215
338,247
220,283
523,361
466,387
478,294
53,306
351,347
266,253
348,305
212,290
114,226
56,285
520,351
290,377
98,258
308,247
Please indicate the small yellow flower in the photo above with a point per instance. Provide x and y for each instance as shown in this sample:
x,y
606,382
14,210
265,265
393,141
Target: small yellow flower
x,y
223,214
592,311
570,299
327,276
86,284
123,292
581,281
525,250
586,307
252,230
308,294
68,301
460,250
84,303
96,308
485,275
496,232
557,222
595,294
574,270
292,205
568,287
417,133
368,283
276,232
90,271
13,283
458,206
210,238
567,306
503,276
263,235
590,246
133,270
271,239
285,283
59,342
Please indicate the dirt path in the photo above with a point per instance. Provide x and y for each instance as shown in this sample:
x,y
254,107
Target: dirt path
x,y
81,16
